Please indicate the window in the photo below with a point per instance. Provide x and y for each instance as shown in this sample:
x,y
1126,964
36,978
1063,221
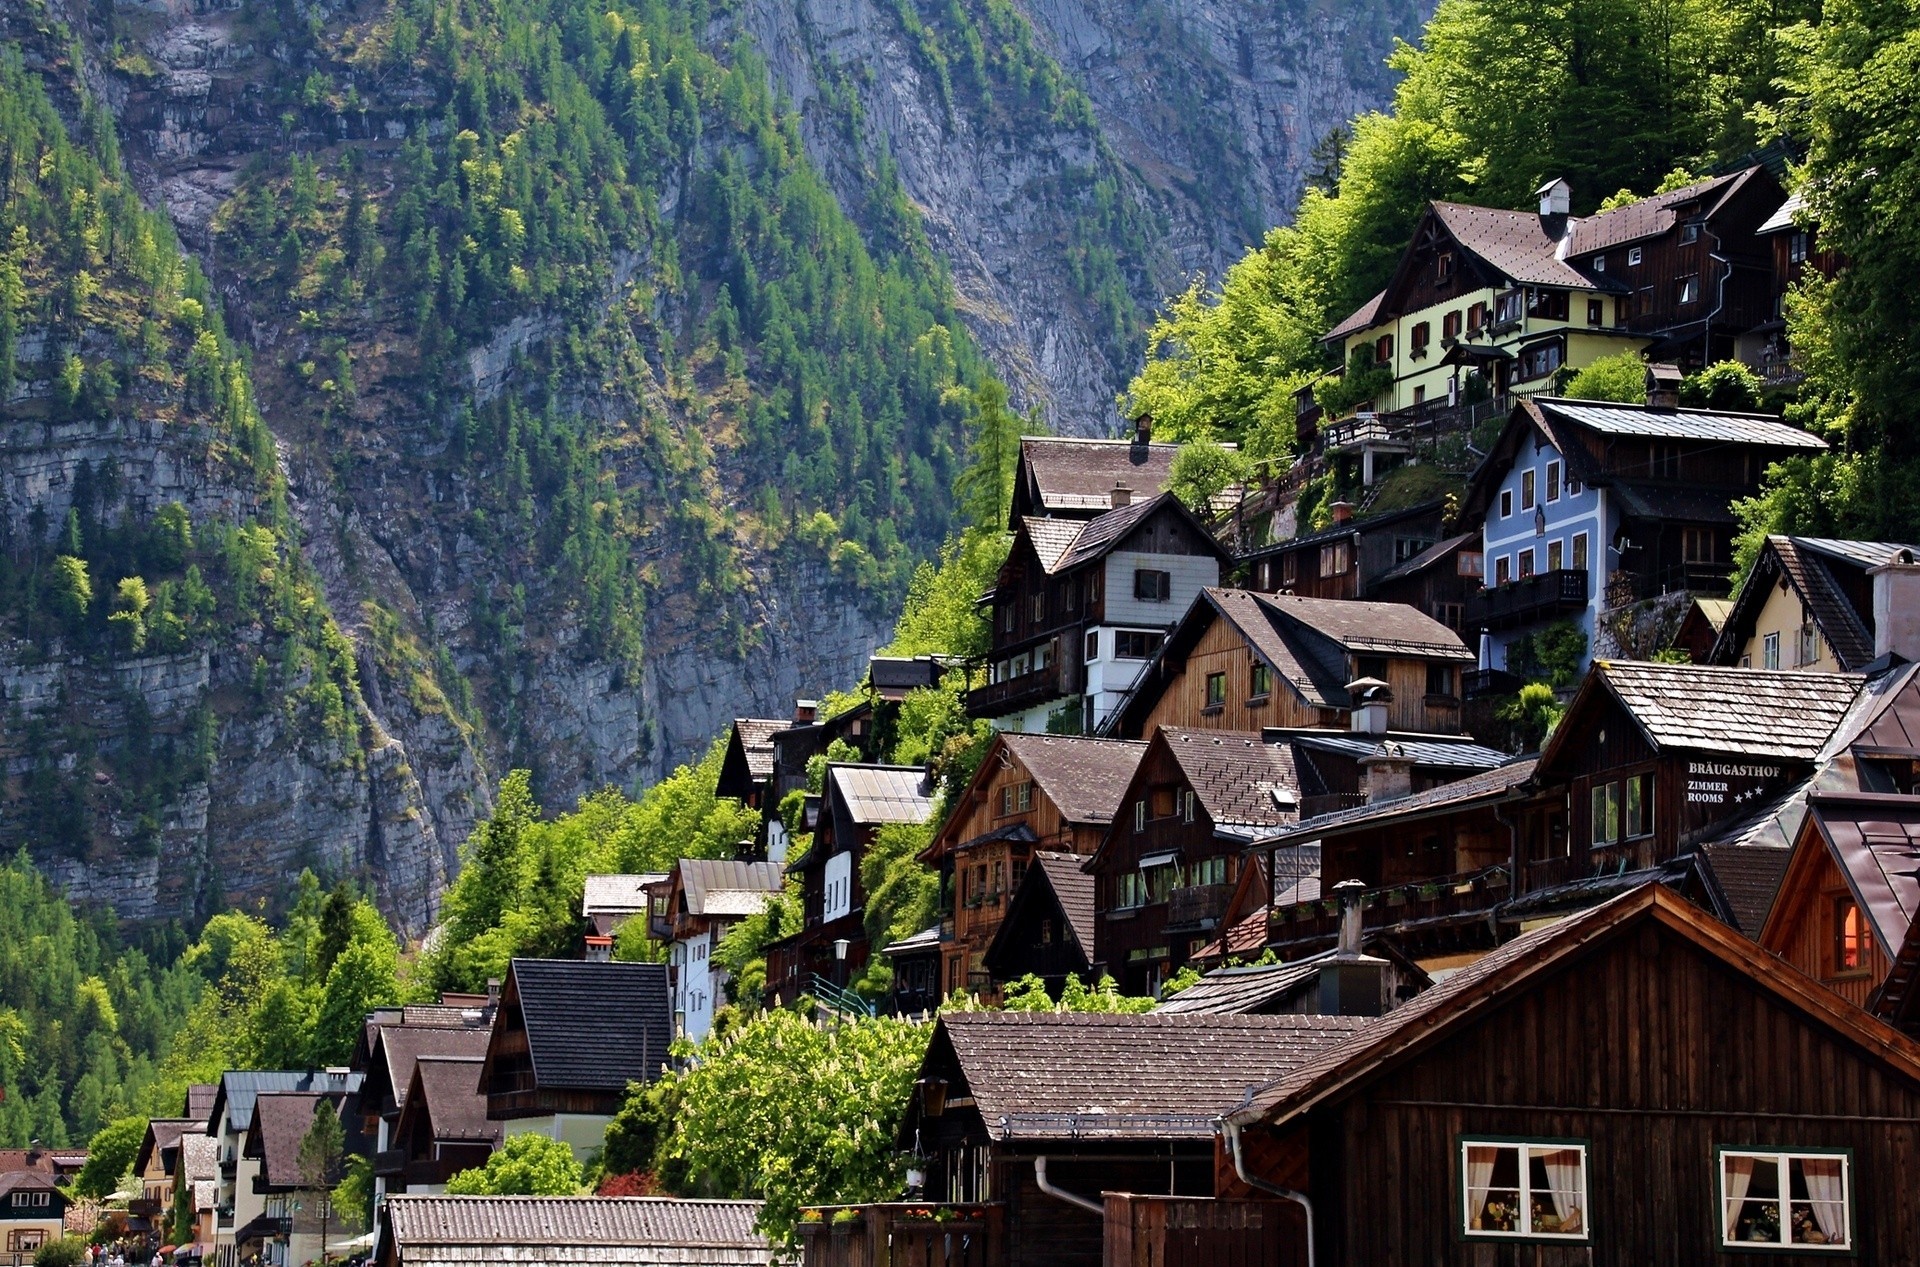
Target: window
x,y
1798,1199
1508,307
1663,461
1419,395
1698,545
1440,679
1690,290
1476,316
1383,350
1007,618
1809,645
1093,645
1553,481
1405,548
1596,312
1093,587
1549,305
1452,615
1443,265
1770,651
1373,666
1160,881
1335,557
1797,247
1526,563
1850,937
1637,807
1470,563
1540,360
1502,570
1131,890
1259,680
1579,551
1526,490
1422,335
1599,263
1136,644
1556,556
1039,605
1450,325
1524,1190
1573,484
1151,585
1187,802
1506,503
1016,798
1216,689
1690,232
1606,814
1139,815
1289,568
1633,256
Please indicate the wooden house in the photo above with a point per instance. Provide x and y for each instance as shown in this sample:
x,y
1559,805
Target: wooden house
x,y
33,1211
1438,581
1069,477
291,1226
1171,858
1347,559
746,771
439,1231
154,1166
1796,252
1031,792
1813,603
240,1200
389,1077
568,1040
1049,928
444,1128
699,901
1700,628
1243,661
830,950
1587,509
1635,1084
1081,604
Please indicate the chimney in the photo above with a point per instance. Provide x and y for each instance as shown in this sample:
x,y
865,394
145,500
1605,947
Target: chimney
x,y
1663,387
805,712
1370,697
1122,495
599,948
1143,429
1352,984
1389,773
1556,198
1342,512
493,994
1896,607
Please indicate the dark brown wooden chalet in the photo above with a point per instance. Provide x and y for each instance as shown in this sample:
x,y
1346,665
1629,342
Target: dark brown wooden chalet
x,y
1037,1114
1636,1084
397,1048
1239,660
444,1128
1032,791
1438,581
1346,560
830,950
1049,928
1080,604
1170,860
568,1039
1793,239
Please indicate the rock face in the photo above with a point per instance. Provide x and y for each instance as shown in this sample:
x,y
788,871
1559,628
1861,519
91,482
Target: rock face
x,y
1062,229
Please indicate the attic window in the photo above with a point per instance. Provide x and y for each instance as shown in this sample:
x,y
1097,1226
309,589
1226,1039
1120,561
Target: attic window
x,y
1633,256
1443,265
1260,680
1150,585
1599,263
1690,232
1850,937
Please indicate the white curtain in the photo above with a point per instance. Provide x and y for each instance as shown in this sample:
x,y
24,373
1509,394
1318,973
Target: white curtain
x,y
1565,1179
1479,1179
1739,1177
1827,1186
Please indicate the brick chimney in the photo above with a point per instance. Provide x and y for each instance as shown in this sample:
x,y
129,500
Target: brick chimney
x,y
1389,773
1896,607
1122,495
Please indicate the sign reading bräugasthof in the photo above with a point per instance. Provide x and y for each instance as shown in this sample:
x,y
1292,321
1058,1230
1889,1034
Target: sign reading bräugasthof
x,y
1728,782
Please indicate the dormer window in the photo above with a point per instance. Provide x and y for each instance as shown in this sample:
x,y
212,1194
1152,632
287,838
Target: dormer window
x,y
1633,257
1443,265
1690,232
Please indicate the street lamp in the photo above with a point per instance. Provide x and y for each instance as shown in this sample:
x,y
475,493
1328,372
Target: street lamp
x,y
840,945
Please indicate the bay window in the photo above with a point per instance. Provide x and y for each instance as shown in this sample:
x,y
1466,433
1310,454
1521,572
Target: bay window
x,y
1801,1199
1524,1190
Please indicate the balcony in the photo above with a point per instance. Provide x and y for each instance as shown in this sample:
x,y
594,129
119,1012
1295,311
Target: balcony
x,y
904,1232
1440,901
1489,683
390,1162
1708,580
1015,694
1197,907
1529,600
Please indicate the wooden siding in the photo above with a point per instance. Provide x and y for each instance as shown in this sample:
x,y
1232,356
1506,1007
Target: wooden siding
x,y
1685,1053
1047,1232
1186,1232
1805,932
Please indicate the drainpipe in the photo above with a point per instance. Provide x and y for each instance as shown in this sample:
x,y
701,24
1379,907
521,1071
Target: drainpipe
x,y
1231,1130
1071,1198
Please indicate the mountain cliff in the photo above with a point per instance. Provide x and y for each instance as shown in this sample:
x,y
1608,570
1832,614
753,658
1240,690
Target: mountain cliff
x,y
612,368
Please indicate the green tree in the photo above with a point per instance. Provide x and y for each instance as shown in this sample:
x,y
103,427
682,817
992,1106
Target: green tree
x,y
1725,385
71,591
322,1153
526,1165
364,976
1202,470
110,1155
131,603
1621,377
68,1251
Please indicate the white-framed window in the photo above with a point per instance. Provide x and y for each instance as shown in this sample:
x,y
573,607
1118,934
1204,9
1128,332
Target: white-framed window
x,y
1809,644
1506,503
1802,1199
1526,490
1502,570
1634,256
1770,651
1524,1189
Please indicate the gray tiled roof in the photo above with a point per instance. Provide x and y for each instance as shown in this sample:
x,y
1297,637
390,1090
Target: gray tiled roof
x,y
616,894
1740,712
282,1120
1444,752
722,886
1489,786
1076,475
1748,876
594,1026
200,1157
1681,424
1073,888
1241,991
883,793
1083,777
1051,538
1240,780
600,1230
1387,628
1047,1075
1782,220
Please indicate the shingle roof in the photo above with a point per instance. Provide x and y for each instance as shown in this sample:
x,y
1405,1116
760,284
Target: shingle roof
x,y
594,1026
883,793
1808,563
1306,640
1051,538
1241,781
1083,777
399,1046
454,1104
1740,712
1748,876
282,1120
200,1100
1101,534
1443,752
163,1134
607,1230
1515,243
1241,991
1782,220
617,894
1047,1075
1391,628
1488,786
1645,217
755,737
1680,424
717,886
1426,558
926,939
1073,888
200,1157
1359,319
1075,475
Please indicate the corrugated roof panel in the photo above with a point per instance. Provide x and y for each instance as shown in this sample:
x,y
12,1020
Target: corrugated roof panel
x,y
1682,424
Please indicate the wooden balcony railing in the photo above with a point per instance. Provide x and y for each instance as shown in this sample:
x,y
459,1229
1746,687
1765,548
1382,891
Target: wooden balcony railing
x,y
996,699
1197,907
904,1234
1438,900
1541,596
1706,579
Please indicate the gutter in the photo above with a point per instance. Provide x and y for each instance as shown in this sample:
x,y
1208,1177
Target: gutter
x,y
1231,1129
1061,1194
